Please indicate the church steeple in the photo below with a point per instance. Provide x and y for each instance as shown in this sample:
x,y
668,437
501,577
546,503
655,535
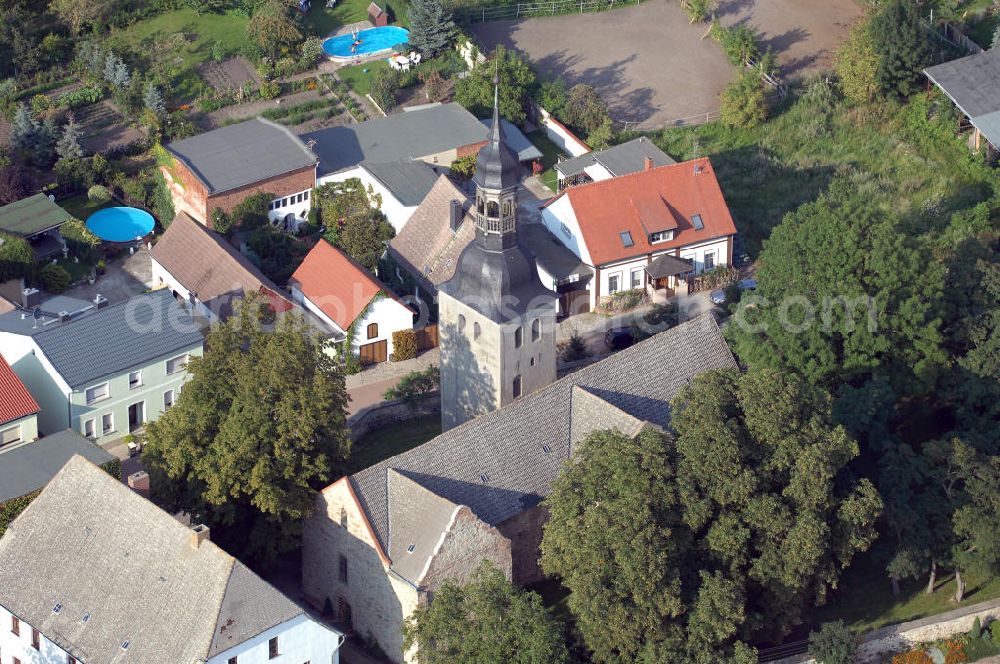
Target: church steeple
x,y
496,181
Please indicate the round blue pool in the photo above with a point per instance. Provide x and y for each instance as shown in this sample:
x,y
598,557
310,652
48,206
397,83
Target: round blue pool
x,y
120,224
372,40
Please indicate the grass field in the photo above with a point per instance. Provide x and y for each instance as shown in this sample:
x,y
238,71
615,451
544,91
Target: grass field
x,y
865,602
359,77
895,156
325,22
182,39
391,440
81,207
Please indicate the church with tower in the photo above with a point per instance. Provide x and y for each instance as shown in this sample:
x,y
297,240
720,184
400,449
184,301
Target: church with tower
x,y
496,319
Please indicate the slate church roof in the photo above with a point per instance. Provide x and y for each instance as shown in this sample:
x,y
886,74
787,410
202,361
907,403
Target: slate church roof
x,y
504,462
90,545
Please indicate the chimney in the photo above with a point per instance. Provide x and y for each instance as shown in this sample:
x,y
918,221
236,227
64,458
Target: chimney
x,y
647,164
100,301
199,534
139,482
63,316
456,215
30,298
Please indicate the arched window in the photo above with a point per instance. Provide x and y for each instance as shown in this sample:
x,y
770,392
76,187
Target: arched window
x,y
479,204
372,330
518,337
517,386
536,329
461,323
492,209
476,330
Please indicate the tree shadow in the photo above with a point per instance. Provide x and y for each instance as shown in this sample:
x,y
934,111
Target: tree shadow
x,y
467,388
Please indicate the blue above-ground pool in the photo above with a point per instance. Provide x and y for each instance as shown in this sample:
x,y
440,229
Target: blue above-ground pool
x,y
120,224
372,40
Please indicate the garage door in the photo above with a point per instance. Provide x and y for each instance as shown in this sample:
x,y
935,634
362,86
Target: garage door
x,y
374,352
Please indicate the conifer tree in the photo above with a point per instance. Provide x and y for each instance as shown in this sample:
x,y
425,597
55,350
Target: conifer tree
x,y
68,146
431,27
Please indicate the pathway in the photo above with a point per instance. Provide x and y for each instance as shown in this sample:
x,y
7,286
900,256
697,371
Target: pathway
x,y
123,279
367,387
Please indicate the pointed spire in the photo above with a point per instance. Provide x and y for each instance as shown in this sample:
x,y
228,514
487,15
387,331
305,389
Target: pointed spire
x,y
496,131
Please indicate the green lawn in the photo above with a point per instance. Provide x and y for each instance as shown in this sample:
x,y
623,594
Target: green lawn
x,y
890,153
550,155
77,271
325,22
359,77
391,440
865,602
182,39
81,207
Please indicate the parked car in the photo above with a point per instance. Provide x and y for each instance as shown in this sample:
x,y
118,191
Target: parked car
x,y
717,296
619,338
747,284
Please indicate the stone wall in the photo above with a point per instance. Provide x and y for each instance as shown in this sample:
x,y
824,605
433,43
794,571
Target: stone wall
x,y
391,412
280,185
525,534
467,543
378,600
874,646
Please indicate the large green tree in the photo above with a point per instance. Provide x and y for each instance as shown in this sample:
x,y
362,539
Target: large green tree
x,y
901,40
271,27
486,620
687,547
257,429
431,27
517,81
844,295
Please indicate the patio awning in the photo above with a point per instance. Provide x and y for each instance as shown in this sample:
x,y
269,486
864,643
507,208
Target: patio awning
x,y
668,266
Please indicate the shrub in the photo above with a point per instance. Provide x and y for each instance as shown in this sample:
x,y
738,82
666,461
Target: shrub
x,y
79,239
98,194
856,64
252,211
977,629
385,88
54,278
312,51
698,10
404,345
574,349
464,167
222,223
269,90
40,103
628,299
414,385
16,257
833,644
89,94
744,104
740,43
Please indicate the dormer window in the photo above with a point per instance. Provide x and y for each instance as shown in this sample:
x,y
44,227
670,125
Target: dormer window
x,y
626,238
661,236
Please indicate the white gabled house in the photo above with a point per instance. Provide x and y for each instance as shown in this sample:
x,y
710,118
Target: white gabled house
x,y
350,301
648,230
92,572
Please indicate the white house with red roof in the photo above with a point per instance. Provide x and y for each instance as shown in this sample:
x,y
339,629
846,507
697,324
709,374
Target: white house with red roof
x,y
18,409
647,229
356,306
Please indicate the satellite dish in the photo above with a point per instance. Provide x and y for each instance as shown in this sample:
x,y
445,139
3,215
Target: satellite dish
x,y
52,198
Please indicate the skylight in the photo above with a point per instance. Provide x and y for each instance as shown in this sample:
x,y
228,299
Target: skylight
x,y
484,477
546,449
126,644
57,608
626,239
697,222
411,548
86,618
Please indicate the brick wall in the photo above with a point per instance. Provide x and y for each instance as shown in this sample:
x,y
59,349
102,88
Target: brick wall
x,y
190,195
472,148
281,185
525,534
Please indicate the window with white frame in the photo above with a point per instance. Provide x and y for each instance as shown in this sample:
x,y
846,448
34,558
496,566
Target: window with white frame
x,y
168,399
97,393
709,259
10,435
614,283
134,379
175,364
661,236
636,278
107,423
90,428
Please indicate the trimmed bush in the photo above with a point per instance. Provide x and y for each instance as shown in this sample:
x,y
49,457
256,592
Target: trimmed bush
x,y
54,278
98,194
625,300
414,385
222,223
404,345
833,644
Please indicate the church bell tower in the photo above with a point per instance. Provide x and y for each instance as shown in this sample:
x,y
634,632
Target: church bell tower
x,y
496,319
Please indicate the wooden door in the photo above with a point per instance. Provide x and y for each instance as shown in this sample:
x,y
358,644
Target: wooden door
x,y
374,353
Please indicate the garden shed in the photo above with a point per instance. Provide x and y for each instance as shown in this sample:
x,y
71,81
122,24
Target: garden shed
x,y
973,83
377,16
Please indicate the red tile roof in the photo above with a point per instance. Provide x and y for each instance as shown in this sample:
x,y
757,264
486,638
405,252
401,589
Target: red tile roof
x,y
337,284
662,198
15,400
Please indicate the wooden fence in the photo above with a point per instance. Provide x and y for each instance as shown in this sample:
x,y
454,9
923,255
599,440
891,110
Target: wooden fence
x,y
531,9
427,338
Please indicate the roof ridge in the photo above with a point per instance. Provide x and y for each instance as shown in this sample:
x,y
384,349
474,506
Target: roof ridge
x,y
103,312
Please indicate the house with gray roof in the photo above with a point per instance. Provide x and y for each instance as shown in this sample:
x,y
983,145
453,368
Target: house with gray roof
x,y
631,157
222,167
382,540
399,156
973,84
91,572
107,370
